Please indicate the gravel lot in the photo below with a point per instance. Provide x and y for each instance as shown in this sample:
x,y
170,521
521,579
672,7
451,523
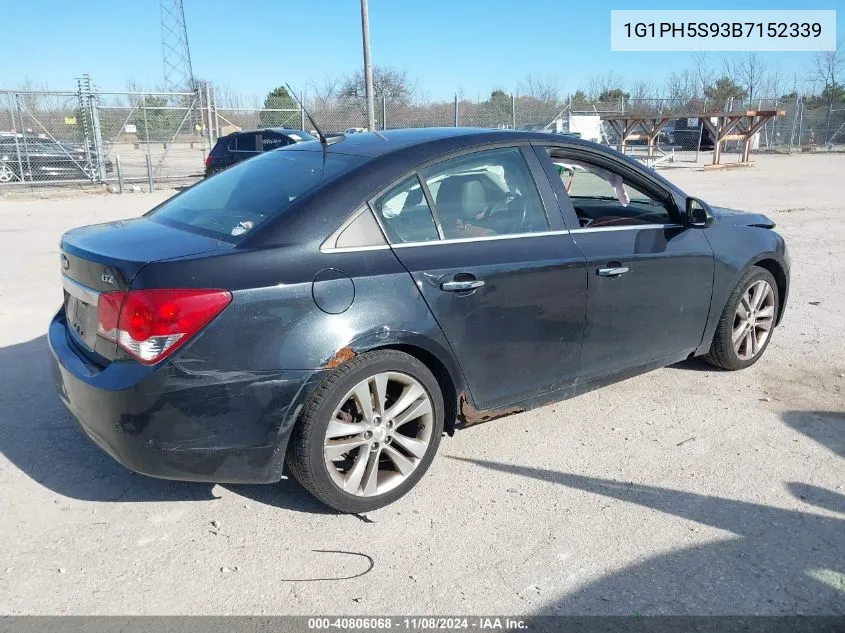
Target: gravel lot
x,y
683,491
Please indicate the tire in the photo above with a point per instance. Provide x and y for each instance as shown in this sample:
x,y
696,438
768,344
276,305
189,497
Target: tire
x,y
723,352
409,432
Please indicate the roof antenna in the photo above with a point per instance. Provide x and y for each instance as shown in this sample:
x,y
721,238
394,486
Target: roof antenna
x,y
325,141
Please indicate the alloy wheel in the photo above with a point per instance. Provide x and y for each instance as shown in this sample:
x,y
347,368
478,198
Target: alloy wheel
x,y
379,434
6,173
753,320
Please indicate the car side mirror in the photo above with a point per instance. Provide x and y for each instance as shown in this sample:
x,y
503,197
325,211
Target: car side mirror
x,y
698,213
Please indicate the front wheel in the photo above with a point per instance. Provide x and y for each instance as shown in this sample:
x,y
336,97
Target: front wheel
x,y
369,432
746,325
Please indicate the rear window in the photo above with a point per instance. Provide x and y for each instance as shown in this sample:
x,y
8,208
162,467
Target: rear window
x,y
235,202
220,146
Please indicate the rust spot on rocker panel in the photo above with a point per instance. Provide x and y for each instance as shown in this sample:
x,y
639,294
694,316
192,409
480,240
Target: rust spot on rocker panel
x,y
469,415
341,356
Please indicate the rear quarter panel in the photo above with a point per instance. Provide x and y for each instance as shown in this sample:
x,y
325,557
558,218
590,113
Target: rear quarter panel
x,y
274,322
271,347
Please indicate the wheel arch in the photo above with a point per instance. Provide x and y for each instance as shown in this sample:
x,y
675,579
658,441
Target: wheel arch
x,y
438,359
729,271
444,379
778,271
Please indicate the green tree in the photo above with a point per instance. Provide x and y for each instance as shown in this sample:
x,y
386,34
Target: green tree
x,y
500,106
579,98
500,100
155,122
723,90
279,99
833,92
614,94
829,95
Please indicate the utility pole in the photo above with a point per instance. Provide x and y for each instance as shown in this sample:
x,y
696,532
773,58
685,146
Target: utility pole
x,y
368,68
176,55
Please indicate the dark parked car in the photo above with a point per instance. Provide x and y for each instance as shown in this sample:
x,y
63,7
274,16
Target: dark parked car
x,y
333,310
686,134
238,146
664,137
34,159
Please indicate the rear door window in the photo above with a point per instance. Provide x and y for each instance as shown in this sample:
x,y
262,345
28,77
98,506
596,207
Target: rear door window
x,y
486,193
246,143
405,214
236,201
272,140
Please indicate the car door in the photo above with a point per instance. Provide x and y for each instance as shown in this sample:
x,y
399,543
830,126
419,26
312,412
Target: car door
x,y
497,268
650,278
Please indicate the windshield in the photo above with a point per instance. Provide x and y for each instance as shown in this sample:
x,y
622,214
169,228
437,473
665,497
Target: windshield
x,y
236,201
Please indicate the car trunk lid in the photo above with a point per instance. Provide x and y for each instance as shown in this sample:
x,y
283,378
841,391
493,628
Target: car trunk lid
x,y
107,257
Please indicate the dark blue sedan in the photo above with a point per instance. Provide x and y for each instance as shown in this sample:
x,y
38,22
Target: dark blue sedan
x,y
330,310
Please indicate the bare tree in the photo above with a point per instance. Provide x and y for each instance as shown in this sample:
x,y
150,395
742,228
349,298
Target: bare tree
x,y
28,99
748,71
390,83
643,90
828,69
227,97
685,88
422,97
798,85
323,93
539,87
643,97
773,87
133,86
682,88
604,83
703,73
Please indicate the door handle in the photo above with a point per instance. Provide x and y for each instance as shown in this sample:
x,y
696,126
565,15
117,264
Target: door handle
x,y
613,272
461,286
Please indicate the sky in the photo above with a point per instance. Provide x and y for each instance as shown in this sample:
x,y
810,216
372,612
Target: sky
x,y
250,46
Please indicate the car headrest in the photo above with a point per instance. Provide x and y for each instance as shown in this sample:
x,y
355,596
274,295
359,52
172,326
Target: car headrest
x,y
461,197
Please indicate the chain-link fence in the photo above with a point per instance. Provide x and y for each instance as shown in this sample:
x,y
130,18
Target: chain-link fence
x,y
155,136
46,136
85,135
807,124
228,120
77,137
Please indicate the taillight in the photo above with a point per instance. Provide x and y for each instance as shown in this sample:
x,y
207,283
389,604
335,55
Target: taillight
x,y
208,161
151,324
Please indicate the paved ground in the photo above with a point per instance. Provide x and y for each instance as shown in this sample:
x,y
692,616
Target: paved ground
x,y
682,491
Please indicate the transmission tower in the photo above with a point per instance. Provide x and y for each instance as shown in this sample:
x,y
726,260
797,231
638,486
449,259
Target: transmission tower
x,y
178,73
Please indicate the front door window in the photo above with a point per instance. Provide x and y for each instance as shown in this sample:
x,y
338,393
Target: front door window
x,y
603,198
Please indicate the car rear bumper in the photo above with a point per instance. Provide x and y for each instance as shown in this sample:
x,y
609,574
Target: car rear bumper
x,y
174,423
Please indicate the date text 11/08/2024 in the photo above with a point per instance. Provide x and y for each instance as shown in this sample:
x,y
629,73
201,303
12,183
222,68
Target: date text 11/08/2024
x,y
492,623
